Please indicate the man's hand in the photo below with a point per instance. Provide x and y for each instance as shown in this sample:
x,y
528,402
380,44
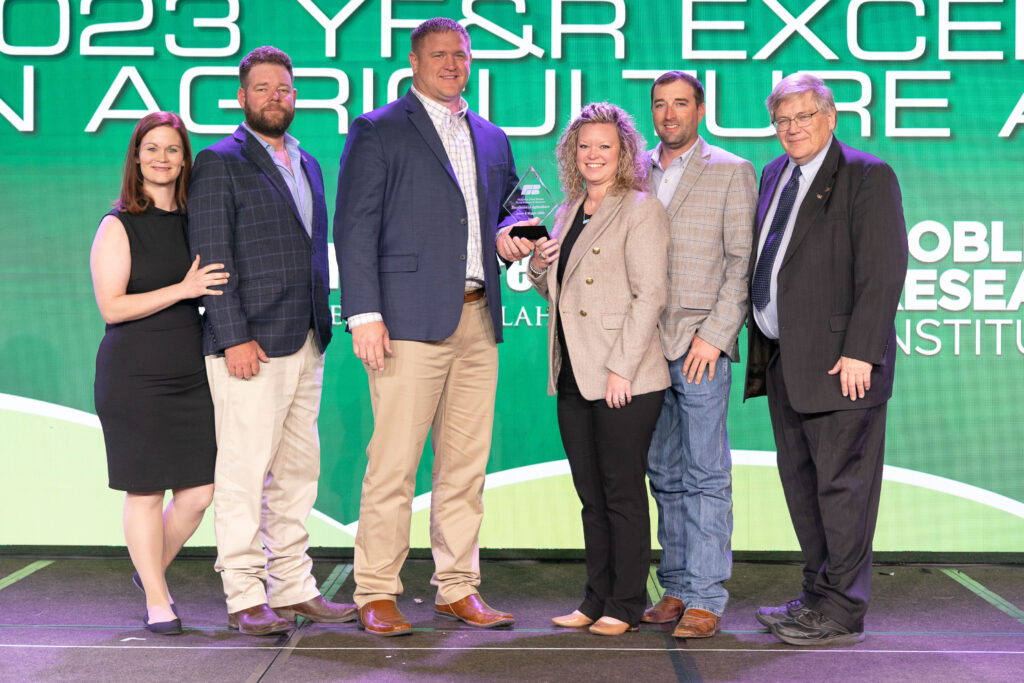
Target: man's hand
x,y
514,248
702,355
371,343
244,359
618,391
854,376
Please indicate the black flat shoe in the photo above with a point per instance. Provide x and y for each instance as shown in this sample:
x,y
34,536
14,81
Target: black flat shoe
x,y
164,628
137,580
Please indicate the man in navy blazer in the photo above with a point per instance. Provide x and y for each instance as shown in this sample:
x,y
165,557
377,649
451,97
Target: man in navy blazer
x,y
829,263
256,202
420,203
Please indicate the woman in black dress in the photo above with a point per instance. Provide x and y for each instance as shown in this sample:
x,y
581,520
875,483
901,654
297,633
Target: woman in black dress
x,y
151,393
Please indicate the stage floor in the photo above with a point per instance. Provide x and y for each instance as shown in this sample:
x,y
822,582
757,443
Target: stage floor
x,y
80,620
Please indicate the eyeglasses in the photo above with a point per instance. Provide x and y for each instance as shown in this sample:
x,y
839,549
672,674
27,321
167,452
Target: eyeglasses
x,y
802,120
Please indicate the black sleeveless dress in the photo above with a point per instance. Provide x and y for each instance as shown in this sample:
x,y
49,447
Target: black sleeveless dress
x,y
151,392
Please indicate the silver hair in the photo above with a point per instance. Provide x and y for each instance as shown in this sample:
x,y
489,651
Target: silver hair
x,y
797,84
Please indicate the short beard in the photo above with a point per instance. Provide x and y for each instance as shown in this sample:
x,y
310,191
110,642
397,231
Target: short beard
x,y
262,124
681,142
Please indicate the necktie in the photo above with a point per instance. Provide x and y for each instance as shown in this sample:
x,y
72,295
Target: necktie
x,y
762,285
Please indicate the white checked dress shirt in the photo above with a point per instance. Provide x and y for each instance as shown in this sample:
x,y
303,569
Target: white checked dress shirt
x,y
453,129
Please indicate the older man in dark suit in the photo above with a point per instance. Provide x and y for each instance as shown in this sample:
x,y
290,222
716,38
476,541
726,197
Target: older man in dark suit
x,y
420,200
257,202
828,269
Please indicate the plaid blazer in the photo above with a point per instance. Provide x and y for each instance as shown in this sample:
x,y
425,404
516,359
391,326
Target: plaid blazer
x,y
241,214
711,224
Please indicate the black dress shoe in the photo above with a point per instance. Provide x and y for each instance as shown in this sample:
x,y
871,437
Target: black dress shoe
x,y
811,627
773,615
163,628
137,580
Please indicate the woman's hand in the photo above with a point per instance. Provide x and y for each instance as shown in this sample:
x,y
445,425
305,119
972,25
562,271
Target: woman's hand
x,y
198,280
545,253
618,392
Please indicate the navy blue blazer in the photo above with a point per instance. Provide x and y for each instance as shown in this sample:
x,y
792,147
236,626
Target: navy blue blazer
x,y
400,220
840,281
241,214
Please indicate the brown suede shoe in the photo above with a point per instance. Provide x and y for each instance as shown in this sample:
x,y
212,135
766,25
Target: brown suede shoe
x,y
258,621
318,609
696,623
382,618
475,612
668,609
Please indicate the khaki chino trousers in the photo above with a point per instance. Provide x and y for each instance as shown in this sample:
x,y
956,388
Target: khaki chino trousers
x,y
448,387
265,483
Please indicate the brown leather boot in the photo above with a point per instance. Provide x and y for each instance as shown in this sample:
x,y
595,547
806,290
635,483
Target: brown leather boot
x,y
668,609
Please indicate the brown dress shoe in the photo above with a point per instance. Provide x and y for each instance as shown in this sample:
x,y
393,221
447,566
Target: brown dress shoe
x,y
475,612
668,609
382,618
258,621
318,609
696,623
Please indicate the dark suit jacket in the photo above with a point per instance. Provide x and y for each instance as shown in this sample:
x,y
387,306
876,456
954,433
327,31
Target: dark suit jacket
x,y
400,220
241,214
839,282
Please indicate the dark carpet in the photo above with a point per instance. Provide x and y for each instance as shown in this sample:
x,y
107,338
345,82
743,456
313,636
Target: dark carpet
x,y
81,620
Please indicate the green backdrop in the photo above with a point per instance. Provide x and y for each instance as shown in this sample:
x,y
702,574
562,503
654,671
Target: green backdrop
x,y
934,88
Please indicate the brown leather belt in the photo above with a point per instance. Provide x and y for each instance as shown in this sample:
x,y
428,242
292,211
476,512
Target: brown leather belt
x,y
473,295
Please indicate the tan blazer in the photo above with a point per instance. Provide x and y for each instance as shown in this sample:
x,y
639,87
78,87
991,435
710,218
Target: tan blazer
x,y
712,225
613,292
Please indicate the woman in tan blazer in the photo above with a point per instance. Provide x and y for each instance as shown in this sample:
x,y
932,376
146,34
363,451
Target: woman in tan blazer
x,y
604,273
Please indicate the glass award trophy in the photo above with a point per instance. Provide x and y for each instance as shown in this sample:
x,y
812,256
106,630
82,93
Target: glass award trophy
x,y
531,198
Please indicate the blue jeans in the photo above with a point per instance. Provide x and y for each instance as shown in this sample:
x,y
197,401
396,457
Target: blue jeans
x,y
690,471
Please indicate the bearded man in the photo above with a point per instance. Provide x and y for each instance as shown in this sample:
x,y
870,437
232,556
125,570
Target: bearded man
x,y
256,204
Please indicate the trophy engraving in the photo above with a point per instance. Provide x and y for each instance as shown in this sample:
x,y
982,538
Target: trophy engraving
x,y
531,198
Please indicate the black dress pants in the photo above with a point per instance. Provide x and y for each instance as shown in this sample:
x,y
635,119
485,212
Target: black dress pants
x,y
830,465
607,452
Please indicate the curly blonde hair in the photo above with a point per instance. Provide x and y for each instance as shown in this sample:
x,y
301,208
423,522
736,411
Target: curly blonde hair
x,y
631,172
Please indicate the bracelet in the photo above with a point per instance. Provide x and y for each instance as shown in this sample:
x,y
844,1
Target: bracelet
x,y
533,270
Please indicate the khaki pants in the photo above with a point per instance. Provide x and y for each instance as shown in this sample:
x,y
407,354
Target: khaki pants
x,y
268,463
448,386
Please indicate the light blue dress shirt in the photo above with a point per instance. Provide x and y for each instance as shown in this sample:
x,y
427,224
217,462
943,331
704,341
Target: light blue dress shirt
x,y
664,181
297,182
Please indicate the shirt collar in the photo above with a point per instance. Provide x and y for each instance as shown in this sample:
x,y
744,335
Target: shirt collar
x,y
291,145
439,112
682,159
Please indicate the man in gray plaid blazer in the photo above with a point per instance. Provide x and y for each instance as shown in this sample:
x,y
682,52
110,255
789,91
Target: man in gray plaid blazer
x,y
710,196
256,204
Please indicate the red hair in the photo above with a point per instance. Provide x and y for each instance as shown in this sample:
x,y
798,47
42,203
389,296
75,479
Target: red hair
x,y
133,197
